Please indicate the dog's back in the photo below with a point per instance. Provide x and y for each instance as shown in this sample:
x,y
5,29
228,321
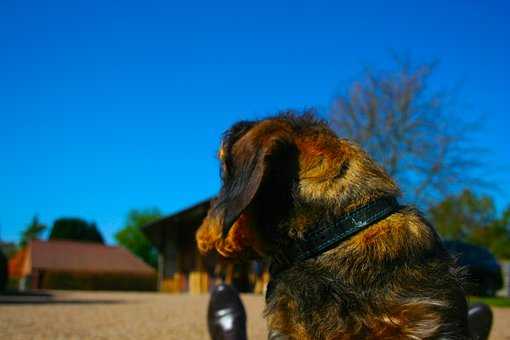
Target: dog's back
x,y
381,275
392,281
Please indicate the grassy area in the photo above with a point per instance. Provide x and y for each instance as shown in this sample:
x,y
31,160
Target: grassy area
x,y
503,302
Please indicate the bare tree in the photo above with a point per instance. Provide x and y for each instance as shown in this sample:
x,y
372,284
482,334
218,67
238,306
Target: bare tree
x,y
412,131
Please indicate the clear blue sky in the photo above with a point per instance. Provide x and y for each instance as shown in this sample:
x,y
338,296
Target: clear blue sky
x,y
107,107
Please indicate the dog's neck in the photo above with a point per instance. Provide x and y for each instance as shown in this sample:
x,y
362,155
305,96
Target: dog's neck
x,y
325,235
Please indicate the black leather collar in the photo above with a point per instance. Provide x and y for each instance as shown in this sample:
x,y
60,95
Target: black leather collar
x,y
323,237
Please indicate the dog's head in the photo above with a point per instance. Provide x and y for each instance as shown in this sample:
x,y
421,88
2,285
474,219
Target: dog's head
x,y
280,175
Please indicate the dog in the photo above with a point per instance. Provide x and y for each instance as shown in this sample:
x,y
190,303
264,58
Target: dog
x,y
347,261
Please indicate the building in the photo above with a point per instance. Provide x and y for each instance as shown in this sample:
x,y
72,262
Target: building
x,y
183,269
505,271
63,264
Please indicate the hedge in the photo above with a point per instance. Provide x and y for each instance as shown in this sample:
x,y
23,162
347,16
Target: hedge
x,y
4,272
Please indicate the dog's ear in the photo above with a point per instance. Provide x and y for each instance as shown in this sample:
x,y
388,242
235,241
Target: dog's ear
x,y
252,163
250,168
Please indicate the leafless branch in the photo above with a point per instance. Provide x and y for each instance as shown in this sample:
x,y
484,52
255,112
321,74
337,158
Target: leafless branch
x,y
414,132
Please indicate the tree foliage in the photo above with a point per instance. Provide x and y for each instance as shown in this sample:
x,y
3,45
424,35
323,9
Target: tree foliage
x,y
132,237
412,131
75,229
4,272
32,232
8,248
474,219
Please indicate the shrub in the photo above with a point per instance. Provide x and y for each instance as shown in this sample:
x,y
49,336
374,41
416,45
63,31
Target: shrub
x,y
4,273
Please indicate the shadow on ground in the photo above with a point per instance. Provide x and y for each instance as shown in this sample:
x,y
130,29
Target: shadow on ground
x,y
23,298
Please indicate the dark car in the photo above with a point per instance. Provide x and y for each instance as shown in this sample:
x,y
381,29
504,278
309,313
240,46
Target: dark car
x,y
484,271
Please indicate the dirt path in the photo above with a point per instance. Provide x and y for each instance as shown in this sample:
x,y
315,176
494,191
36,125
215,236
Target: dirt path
x,y
105,315
501,327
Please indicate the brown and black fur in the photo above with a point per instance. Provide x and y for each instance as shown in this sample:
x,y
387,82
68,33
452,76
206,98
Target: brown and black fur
x,y
393,280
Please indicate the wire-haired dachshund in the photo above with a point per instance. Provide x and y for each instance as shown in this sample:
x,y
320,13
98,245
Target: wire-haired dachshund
x,y
347,260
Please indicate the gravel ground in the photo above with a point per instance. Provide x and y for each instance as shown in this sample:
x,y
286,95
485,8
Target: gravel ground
x,y
112,315
107,315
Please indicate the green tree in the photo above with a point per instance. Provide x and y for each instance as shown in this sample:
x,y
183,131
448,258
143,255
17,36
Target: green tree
x,y
75,229
471,218
132,237
4,271
497,236
460,217
32,232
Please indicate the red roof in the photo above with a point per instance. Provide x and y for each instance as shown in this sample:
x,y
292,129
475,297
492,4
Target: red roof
x,y
62,255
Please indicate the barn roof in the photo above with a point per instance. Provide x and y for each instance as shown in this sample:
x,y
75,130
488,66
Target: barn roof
x,y
63,255
184,222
